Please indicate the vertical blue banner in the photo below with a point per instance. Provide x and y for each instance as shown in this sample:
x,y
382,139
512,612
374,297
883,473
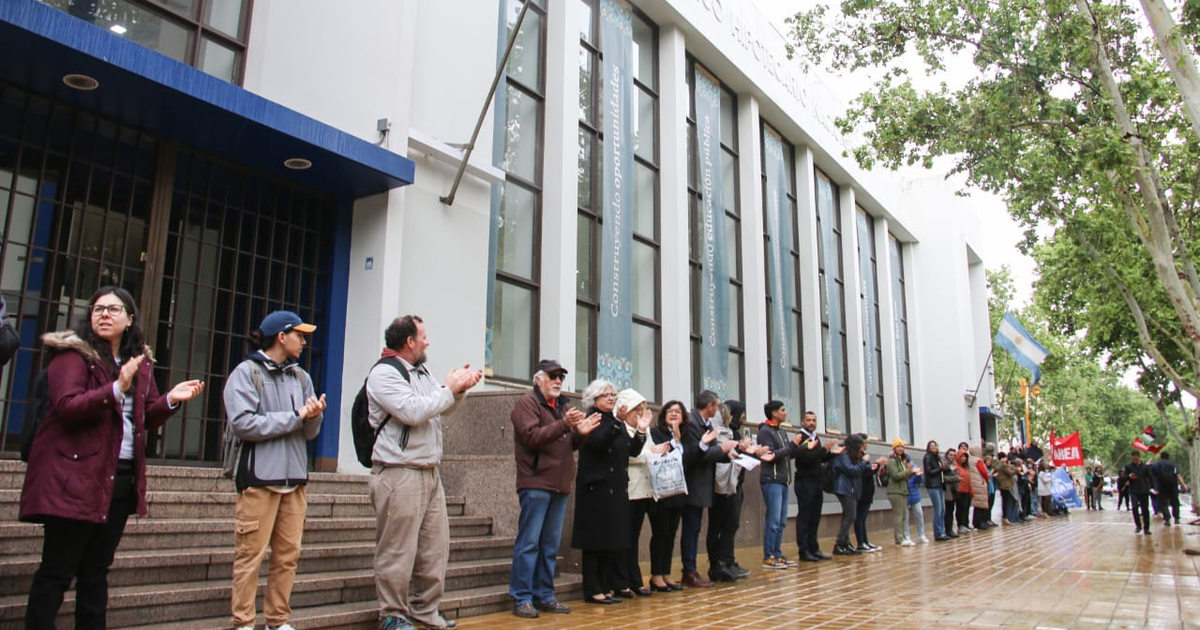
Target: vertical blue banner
x,y
714,270
779,273
614,340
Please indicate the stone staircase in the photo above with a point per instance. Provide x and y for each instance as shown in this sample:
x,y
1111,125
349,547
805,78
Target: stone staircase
x,y
172,569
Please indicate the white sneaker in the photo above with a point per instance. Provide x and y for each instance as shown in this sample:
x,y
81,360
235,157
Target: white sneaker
x,y
924,539
244,628
908,543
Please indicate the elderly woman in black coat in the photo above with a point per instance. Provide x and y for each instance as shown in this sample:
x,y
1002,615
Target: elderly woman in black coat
x,y
602,511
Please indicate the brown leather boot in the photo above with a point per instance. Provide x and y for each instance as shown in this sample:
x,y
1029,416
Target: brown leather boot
x,y
693,579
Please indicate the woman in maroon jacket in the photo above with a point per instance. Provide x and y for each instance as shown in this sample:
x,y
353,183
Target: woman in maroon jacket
x,y
87,466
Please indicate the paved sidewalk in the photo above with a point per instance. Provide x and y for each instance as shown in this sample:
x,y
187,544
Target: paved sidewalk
x,y
1086,571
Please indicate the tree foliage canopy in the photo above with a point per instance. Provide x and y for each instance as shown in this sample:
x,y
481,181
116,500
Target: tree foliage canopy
x,y
1076,118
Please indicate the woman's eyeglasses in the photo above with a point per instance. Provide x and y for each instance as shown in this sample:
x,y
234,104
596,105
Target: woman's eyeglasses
x,y
111,309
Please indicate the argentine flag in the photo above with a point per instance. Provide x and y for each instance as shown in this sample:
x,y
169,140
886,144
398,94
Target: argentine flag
x,y
1021,345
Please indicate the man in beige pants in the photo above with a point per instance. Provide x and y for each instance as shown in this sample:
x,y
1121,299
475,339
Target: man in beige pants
x,y
412,531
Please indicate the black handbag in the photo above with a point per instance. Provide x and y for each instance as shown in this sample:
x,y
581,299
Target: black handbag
x,y
10,341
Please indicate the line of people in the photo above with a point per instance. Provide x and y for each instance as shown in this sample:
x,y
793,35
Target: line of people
x,y
102,400
617,437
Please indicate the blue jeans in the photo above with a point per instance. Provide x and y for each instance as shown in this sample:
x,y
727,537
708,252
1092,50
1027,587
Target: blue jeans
x,y
539,530
1011,508
689,541
775,498
937,496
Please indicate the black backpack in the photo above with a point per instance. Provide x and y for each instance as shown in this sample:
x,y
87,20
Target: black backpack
x,y
36,406
360,417
828,477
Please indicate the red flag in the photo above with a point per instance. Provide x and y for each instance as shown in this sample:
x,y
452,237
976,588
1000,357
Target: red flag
x,y
1066,451
1146,442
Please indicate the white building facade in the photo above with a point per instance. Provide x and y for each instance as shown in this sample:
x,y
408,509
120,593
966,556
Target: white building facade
x,y
752,257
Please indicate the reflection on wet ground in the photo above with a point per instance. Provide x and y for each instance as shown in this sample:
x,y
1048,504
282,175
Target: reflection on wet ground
x,y
1086,571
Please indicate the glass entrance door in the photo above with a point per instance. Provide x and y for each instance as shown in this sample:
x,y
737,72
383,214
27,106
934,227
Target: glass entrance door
x,y
205,247
75,192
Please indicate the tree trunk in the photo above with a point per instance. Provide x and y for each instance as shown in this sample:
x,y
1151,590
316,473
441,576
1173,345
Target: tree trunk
x,y
1179,59
1195,453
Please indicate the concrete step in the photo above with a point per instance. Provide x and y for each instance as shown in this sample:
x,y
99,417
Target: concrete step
x,y
220,504
136,567
202,479
144,603
365,615
169,534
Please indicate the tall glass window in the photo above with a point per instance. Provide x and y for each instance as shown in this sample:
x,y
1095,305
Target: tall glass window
x,y
833,301
517,209
900,317
868,295
731,214
647,319
208,34
790,320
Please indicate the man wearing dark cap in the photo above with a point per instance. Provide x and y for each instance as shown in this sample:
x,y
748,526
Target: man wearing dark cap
x,y
545,435
272,408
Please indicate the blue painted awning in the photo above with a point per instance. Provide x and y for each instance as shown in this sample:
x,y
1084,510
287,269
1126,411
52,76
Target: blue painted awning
x,y
147,90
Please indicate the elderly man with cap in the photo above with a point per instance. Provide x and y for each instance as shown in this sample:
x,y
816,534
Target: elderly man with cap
x,y
271,406
545,435
412,530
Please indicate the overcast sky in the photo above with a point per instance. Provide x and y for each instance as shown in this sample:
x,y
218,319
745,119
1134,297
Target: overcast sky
x,y
1000,248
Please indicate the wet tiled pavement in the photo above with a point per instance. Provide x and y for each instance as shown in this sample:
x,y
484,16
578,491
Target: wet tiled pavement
x,y
1087,571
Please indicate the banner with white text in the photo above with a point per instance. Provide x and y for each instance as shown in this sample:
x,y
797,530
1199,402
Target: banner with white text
x,y
714,270
779,272
614,337
1066,451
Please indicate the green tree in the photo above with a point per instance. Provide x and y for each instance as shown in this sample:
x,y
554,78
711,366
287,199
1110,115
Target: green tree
x,y
1083,116
1079,391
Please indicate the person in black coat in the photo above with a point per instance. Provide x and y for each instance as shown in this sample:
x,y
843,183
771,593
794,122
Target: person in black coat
x,y
1166,480
701,451
865,498
810,472
848,468
666,513
934,483
602,520
1138,474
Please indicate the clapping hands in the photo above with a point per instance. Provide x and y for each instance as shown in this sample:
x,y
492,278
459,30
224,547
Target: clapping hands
x,y
312,408
461,379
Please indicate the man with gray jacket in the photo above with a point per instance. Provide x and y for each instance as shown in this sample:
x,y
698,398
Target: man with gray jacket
x,y
412,530
271,406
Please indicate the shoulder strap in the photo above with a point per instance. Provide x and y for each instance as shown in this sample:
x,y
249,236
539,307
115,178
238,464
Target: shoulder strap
x,y
399,365
396,363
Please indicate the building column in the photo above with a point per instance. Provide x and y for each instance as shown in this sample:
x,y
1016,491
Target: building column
x,y
810,289
754,271
674,231
887,330
560,217
856,415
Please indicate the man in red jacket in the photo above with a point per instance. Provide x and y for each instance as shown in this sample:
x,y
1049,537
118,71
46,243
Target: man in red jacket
x,y
545,435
